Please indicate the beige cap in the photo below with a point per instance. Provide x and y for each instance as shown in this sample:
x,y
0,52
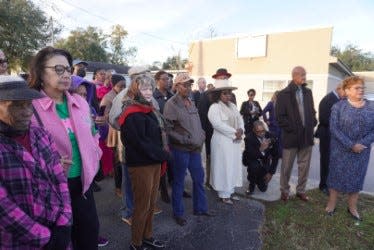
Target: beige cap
x,y
183,78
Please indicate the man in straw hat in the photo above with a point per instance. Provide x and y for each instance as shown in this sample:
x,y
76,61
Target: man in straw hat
x,y
186,140
34,197
226,173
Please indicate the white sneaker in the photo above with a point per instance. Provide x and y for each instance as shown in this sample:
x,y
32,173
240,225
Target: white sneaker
x,y
227,201
235,198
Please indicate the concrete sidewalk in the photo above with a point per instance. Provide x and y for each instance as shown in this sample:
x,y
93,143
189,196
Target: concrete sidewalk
x,y
273,192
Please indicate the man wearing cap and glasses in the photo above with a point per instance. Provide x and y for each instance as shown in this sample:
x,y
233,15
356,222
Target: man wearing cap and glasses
x,y
186,140
31,176
3,64
80,67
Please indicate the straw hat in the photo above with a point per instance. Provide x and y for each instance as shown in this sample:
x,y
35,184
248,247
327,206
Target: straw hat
x,y
222,85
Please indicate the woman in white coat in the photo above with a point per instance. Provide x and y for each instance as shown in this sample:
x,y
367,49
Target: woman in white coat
x,y
226,157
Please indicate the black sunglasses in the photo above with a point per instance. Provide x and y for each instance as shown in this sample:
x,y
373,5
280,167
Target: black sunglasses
x,y
60,69
3,61
226,92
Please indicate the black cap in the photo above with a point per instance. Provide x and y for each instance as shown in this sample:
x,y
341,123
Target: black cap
x,y
14,88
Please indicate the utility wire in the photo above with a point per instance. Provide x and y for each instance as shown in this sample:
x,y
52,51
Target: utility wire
x,y
111,22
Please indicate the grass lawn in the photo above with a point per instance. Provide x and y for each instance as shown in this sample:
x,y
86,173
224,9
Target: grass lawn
x,y
305,225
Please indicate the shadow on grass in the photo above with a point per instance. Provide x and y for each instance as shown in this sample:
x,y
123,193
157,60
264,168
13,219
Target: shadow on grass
x,y
305,225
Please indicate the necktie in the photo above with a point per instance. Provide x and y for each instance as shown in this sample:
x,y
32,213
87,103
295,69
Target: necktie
x,y
300,102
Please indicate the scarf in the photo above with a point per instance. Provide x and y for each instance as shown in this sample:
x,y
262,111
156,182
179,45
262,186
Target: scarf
x,y
142,106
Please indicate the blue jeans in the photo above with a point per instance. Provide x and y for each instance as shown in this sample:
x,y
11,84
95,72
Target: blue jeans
x,y
192,161
127,196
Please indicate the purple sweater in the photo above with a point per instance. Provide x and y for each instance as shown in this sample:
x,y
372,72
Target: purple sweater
x,y
34,195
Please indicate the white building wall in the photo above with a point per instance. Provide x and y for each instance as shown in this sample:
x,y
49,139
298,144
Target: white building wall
x,y
244,82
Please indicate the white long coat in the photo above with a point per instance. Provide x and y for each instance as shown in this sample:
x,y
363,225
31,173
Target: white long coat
x,y
226,155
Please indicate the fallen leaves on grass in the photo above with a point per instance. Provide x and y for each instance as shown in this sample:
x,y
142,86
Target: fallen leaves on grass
x,y
305,225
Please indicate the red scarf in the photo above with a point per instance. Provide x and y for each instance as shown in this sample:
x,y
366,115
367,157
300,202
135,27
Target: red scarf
x,y
137,108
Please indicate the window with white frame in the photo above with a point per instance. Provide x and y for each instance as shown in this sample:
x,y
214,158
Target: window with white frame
x,y
309,84
270,86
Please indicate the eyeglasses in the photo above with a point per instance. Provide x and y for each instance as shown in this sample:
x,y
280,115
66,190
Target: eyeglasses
x,y
2,61
260,131
60,69
358,88
186,85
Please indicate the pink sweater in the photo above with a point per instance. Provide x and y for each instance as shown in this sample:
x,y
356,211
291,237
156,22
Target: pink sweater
x,y
81,120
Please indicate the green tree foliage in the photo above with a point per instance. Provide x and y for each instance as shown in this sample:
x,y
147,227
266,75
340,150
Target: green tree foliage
x,y
119,54
88,44
156,65
354,58
174,62
24,28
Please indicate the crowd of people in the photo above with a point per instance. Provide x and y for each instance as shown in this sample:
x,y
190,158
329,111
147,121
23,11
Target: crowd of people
x,y
61,133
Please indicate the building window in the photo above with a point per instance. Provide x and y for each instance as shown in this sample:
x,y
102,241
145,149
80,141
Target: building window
x,y
309,84
270,86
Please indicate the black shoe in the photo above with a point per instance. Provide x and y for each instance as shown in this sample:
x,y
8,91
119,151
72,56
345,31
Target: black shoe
x,y
207,214
331,212
186,194
355,217
251,189
156,244
325,191
133,247
95,187
180,221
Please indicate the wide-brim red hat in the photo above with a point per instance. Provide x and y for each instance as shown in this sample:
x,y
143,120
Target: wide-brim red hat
x,y
221,72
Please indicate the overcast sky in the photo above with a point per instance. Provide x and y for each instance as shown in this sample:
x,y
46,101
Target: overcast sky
x,y
164,28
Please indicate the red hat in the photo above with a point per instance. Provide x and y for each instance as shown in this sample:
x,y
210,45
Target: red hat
x,y
221,72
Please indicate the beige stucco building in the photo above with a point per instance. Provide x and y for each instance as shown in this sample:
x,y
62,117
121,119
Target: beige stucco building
x,y
264,62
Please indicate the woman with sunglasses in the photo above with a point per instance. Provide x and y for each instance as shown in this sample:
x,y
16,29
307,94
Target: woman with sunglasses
x,y
67,118
228,127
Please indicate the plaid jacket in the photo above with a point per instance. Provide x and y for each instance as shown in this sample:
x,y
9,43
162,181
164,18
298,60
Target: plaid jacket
x,y
34,195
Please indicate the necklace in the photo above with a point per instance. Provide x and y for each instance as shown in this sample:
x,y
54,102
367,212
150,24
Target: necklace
x,y
357,104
